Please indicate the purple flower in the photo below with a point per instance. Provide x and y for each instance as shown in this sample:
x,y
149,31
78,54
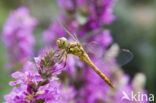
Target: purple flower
x,y
18,35
55,30
17,95
67,5
28,75
52,32
47,63
104,39
92,15
72,62
80,2
33,88
54,92
107,17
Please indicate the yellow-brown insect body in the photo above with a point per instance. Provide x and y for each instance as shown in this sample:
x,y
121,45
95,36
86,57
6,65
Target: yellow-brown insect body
x,y
85,58
76,49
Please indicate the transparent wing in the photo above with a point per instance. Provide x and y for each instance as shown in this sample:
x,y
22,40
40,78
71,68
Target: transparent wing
x,y
68,32
124,57
91,47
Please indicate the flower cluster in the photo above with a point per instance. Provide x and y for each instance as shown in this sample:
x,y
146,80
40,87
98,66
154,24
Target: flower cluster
x,y
96,13
38,86
18,36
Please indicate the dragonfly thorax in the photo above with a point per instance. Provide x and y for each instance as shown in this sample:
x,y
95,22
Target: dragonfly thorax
x,y
62,43
75,48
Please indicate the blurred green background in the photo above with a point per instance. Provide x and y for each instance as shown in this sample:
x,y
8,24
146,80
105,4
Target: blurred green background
x,y
134,29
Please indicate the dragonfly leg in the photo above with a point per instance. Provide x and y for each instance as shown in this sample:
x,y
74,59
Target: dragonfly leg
x,y
66,56
61,57
61,60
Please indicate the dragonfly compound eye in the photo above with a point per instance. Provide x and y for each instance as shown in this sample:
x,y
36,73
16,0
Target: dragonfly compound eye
x,y
62,42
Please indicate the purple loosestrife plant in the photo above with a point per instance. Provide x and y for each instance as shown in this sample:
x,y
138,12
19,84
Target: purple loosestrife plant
x,y
39,86
18,36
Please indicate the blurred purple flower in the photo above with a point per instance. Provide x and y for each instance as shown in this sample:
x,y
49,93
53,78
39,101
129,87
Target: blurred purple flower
x,y
67,5
18,35
88,15
104,39
55,30
52,32
72,63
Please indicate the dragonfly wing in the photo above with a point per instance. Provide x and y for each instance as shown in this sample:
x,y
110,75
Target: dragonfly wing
x,y
76,38
68,32
124,57
91,47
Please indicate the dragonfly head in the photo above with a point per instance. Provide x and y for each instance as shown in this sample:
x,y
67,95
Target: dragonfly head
x,y
62,42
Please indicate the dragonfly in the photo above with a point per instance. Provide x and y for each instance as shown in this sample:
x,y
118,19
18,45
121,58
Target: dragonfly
x,y
75,48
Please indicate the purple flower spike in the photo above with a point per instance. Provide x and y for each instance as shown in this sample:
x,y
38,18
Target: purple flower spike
x,y
18,36
35,89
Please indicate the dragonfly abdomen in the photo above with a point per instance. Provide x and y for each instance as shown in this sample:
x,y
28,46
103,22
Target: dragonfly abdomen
x,y
85,58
